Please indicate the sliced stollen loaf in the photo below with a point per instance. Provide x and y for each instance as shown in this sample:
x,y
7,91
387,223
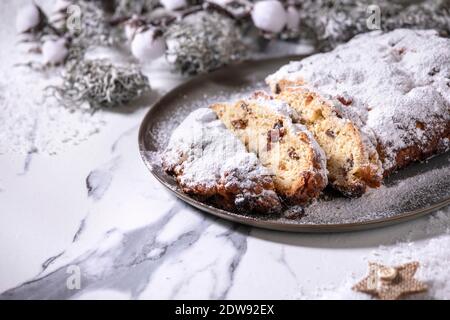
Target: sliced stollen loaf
x,y
352,159
211,163
394,86
289,150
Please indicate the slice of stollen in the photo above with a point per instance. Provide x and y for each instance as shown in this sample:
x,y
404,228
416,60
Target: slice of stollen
x,y
210,163
265,126
352,159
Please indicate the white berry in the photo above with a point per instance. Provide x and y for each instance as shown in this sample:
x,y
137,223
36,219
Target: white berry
x,y
54,51
145,46
293,18
173,4
27,18
269,15
222,3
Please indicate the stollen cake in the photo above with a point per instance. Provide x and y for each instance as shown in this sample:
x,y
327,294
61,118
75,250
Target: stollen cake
x,y
212,164
352,159
394,88
265,126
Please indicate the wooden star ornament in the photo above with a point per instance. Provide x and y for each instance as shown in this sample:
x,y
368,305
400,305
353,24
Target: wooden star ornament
x,y
391,283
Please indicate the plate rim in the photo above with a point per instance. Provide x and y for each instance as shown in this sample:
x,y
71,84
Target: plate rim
x,y
254,222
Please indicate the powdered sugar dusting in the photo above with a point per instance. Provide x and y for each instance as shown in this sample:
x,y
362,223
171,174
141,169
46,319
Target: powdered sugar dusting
x,y
28,121
204,154
279,107
414,188
397,83
426,242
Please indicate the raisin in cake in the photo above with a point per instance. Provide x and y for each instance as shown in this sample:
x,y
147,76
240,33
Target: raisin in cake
x,y
394,86
209,162
289,150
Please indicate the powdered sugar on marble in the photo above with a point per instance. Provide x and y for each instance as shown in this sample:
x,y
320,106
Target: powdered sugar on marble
x,y
427,242
28,121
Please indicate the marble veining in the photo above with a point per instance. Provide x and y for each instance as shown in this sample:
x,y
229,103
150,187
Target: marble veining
x,y
87,220
137,241
127,261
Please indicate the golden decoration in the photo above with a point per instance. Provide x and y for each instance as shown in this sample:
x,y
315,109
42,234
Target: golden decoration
x,y
391,283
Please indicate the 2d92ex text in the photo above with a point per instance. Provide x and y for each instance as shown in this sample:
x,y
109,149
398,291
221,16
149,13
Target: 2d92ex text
x,y
226,309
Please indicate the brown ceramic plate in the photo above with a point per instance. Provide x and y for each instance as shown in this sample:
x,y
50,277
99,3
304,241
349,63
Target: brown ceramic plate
x,y
415,191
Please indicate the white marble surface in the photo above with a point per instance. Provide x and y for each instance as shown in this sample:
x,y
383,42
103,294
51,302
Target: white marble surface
x,y
90,205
